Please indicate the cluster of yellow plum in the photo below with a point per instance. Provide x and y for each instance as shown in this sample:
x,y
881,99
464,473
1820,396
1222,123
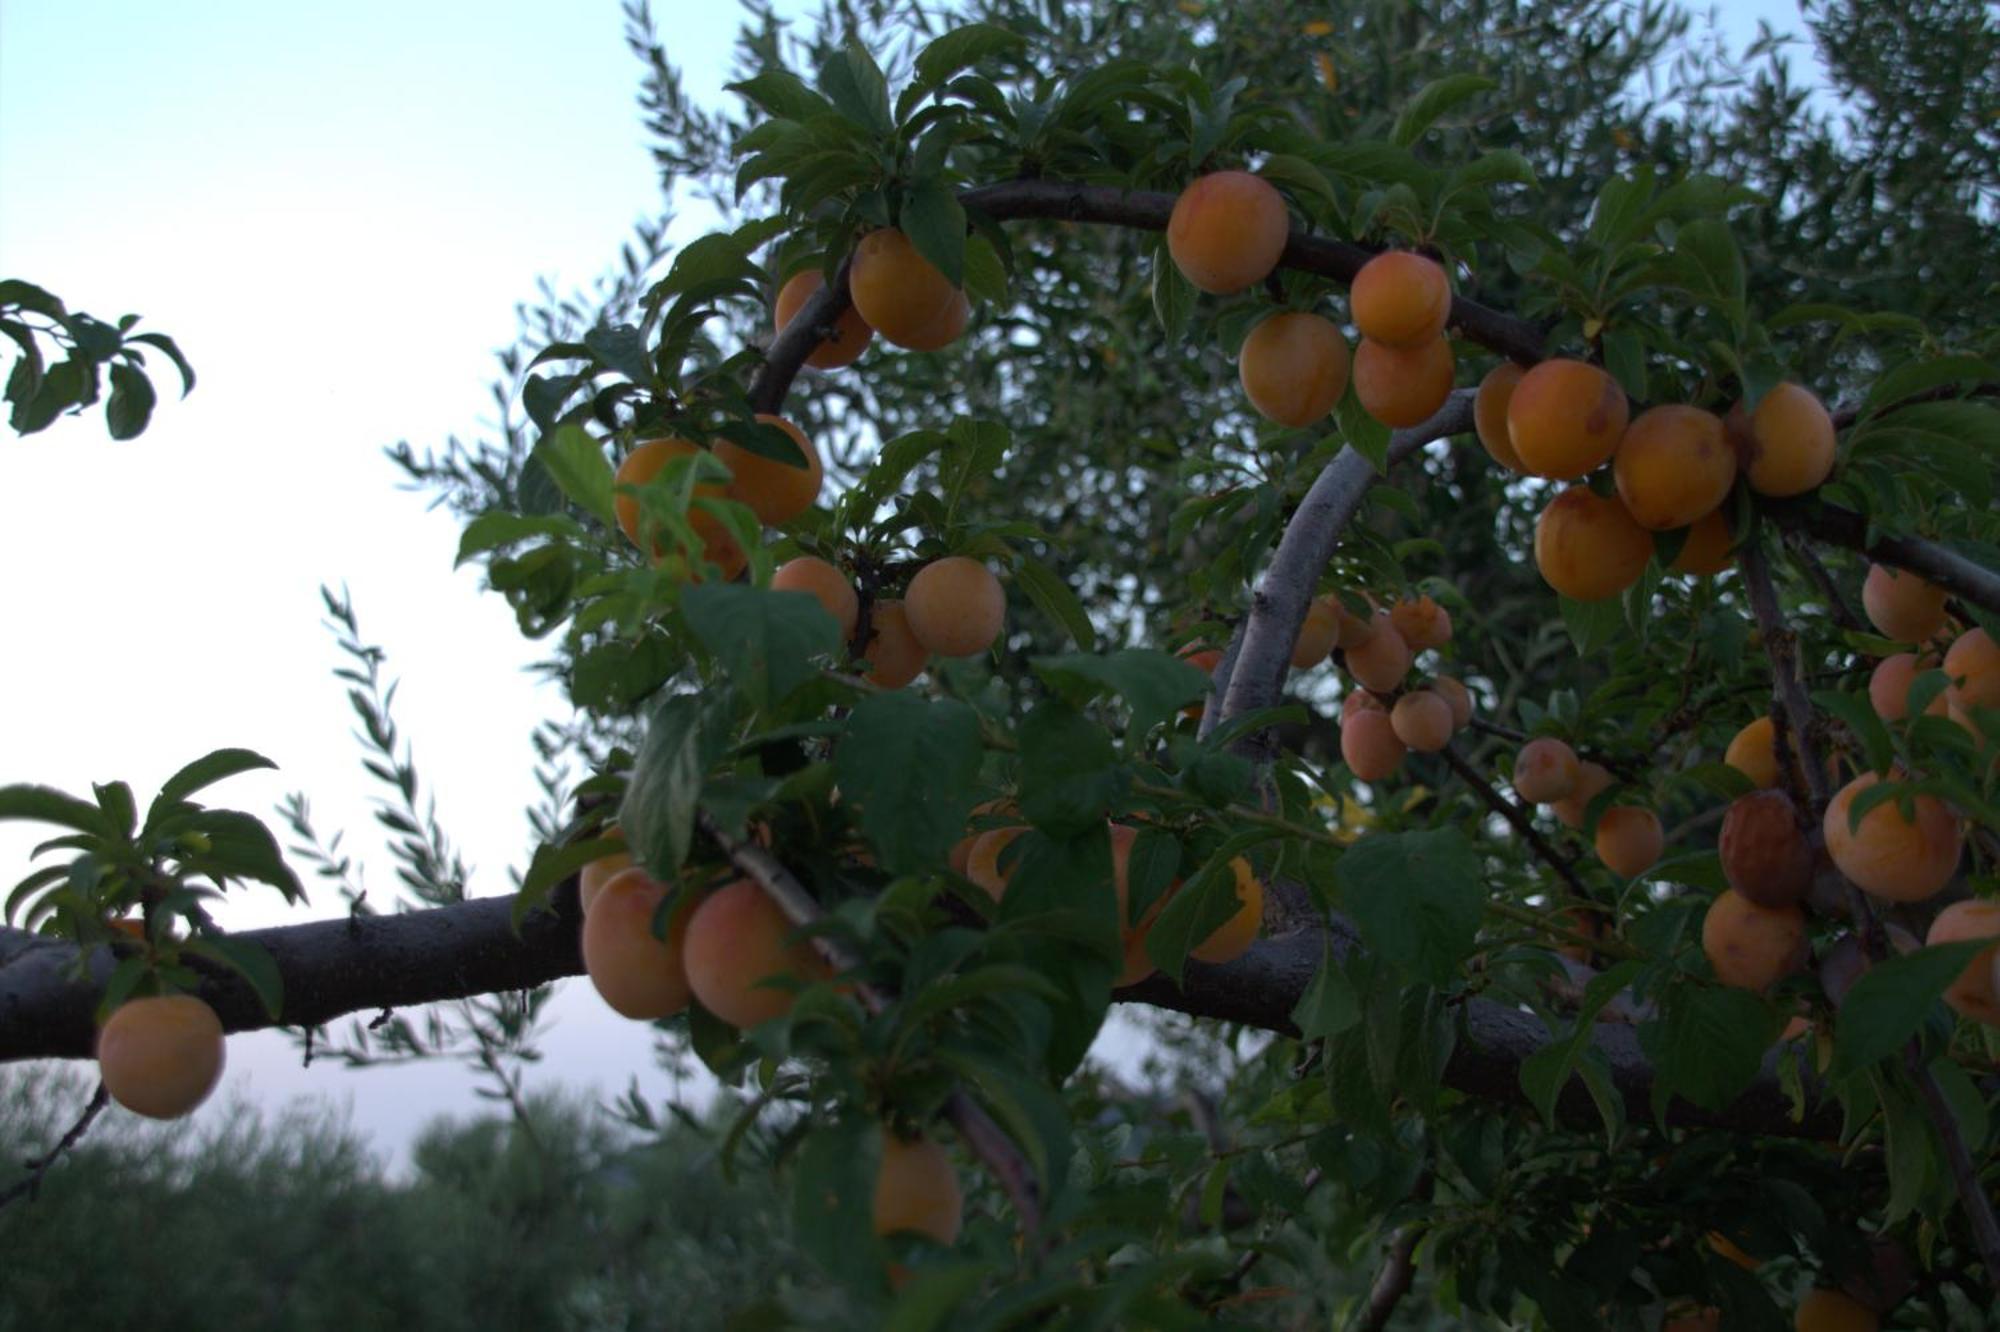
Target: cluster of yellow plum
x,y
1547,771
953,607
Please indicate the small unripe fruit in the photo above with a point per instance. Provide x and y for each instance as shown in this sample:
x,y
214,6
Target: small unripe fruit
x,y
1403,386
982,863
1902,860
1629,840
955,606
917,1191
1765,855
1973,663
898,292
736,940
814,576
1706,552
1752,947
1587,547
1786,447
1489,414
638,975
776,492
1973,993
161,1056
1317,634
1381,662
1227,230
1572,809
1400,299
1889,687
851,333
1369,745
1565,418
1422,623
1422,721
895,657
1232,939
1546,769
1673,466
1460,699
1831,1311
1294,368
1901,605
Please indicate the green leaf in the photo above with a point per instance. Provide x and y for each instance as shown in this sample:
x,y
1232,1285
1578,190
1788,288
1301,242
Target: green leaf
x,y
1154,684
1052,596
241,847
934,221
67,383
1070,774
1201,907
1544,1073
1711,267
206,771
963,48
1710,1043
1890,1001
1173,294
552,863
1329,1005
769,641
44,804
248,960
1417,898
173,353
853,82
130,406
577,464
833,1188
1592,625
664,790
1877,746
1433,100
498,529
911,766
781,93
19,294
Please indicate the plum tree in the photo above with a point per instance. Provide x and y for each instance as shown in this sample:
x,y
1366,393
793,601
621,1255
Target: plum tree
x,y
1489,413
1973,993
1752,947
895,656
1370,746
824,583
1972,664
1382,659
646,460
900,294
1546,770
917,1190
160,1056
590,880
1591,779
1422,720
1765,856
1706,551
1629,840
1422,622
777,492
1825,1310
1318,633
1889,686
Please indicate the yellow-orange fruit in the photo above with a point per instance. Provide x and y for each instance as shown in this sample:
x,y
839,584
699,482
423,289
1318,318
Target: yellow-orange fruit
x,y
1765,855
1354,629
1294,368
1403,386
776,492
1722,1245
1629,840
1381,662
1400,299
1204,660
1370,746
1591,780
638,975
897,292
1227,230
1317,633
942,331
956,606
1565,418
850,336
1889,687
1422,721
736,940
1901,605
590,880
1750,946
1706,551
982,863
1545,770
1673,465
1422,623
1138,964
1458,697
1489,413
812,575
1786,446
961,850
1973,663
917,1191
1889,856
641,465
1753,751
160,1056
895,657
1825,1310
1232,938
1972,993
1587,547
1360,700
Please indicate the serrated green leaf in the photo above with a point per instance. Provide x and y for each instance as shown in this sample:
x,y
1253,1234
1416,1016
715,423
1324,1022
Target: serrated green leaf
x,y
1417,898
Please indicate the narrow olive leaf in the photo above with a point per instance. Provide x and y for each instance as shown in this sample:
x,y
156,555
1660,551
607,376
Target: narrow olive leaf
x,y
43,804
1890,1001
1417,897
576,463
246,959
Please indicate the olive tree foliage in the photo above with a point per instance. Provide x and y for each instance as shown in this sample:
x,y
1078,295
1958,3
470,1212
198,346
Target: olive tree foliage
x,y
1407,1071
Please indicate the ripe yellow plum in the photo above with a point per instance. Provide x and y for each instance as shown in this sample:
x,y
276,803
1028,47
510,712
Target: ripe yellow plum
x,y
1587,547
1673,466
1565,418
1901,860
1227,230
1294,367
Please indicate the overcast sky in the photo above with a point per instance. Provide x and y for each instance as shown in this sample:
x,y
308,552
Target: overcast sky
x,y
334,209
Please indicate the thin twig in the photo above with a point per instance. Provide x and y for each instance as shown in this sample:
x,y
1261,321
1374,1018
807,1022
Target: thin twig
x,y
976,1129
38,1166
1517,816
1809,560
1393,1282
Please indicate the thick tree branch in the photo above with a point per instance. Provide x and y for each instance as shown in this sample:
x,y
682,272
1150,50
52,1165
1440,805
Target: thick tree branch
x,y
1948,569
1398,1273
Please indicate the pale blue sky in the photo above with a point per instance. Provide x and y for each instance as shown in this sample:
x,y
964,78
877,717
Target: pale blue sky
x,y
334,208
